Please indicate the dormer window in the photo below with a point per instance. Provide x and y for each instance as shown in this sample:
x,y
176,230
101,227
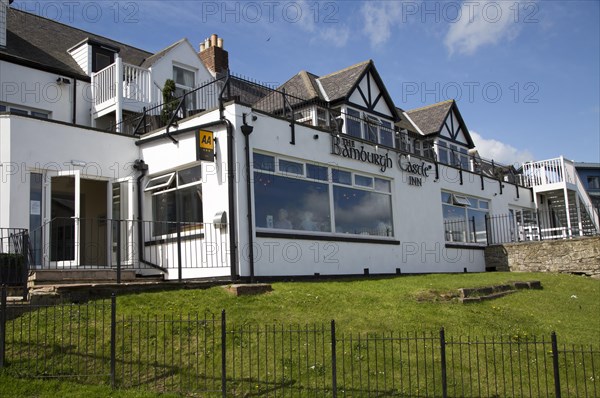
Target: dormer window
x,y
368,127
102,57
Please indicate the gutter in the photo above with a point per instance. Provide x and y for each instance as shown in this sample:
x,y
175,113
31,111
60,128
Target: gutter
x,y
153,138
142,167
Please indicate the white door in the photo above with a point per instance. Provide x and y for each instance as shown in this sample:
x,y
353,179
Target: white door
x,y
123,225
62,218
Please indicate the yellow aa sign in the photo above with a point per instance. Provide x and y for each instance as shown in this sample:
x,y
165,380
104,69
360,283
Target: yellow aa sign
x,y
205,145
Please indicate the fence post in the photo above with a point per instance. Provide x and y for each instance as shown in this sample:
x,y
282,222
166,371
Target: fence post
x,y
113,339
555,365
223,355
179,270
25,252
333,360
487,229
2,324
118,225
443,363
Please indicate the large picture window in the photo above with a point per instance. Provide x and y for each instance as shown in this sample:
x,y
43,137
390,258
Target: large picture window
x,y
176,197
296,196
464,218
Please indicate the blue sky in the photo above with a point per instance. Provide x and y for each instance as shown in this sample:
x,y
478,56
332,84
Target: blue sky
x,y
526,74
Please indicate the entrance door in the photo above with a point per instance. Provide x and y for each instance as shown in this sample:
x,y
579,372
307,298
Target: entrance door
x,y
62,211
123,226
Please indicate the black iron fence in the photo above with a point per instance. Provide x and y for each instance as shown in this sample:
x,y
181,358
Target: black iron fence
x,y
14,258
86,243
94,343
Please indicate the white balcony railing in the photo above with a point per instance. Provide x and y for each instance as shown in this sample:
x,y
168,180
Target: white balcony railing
x,y
131,82
104,84
544,172
136,84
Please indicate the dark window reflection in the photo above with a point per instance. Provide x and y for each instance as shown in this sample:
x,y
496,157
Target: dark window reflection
x,y
362,212
290,203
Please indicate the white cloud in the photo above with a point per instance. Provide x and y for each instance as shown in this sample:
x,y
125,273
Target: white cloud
x,y
481,23
320,30
499,151
379,17
338,37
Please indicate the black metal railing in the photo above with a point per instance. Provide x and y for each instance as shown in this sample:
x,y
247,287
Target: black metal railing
x,y
464,231
203,353
291,105
14,258
86,243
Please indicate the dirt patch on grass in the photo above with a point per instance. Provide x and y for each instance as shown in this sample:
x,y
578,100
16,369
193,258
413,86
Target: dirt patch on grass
x,y
434,296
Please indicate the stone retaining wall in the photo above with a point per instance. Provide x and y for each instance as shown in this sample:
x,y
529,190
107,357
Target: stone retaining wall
x,y
577,256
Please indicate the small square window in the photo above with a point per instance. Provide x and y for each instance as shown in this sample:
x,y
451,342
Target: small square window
x,y
363,181
382,185
264,162
316,172
160,182
285,166
40,115
593,182
18,111
342,177
188,176
460,200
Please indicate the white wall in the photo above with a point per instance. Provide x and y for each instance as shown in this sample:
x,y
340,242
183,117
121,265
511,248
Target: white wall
x,y
83,56
183,55
418,219
29,144
37,90
163,156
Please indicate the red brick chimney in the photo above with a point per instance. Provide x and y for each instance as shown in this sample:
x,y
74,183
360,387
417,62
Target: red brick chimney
x,y
213,56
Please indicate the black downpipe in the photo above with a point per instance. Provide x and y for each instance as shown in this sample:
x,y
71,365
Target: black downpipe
x,y
247,130
142,167
74,101
231,194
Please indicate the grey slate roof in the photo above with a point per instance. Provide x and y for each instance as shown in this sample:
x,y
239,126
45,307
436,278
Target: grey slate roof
x,y
405,123
303,85
332,87
338,84
430,118
43,43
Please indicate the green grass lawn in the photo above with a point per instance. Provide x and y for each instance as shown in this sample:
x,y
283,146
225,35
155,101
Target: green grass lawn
x,y
567,304
158,350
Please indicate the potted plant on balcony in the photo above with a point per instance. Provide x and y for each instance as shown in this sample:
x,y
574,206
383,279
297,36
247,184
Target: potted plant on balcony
x,y
169,101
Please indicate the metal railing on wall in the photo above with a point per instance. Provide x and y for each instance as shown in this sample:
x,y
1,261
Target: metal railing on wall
x,y
14,258
87,243
203,353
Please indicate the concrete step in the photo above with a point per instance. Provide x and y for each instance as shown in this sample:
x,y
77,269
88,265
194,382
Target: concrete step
x,y
77,276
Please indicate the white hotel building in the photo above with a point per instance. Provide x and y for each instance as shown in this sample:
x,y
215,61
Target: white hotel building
x,y
324,175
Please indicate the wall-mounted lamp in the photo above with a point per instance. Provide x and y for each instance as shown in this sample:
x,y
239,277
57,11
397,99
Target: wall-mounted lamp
x,y
316,136
246,128
62,80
